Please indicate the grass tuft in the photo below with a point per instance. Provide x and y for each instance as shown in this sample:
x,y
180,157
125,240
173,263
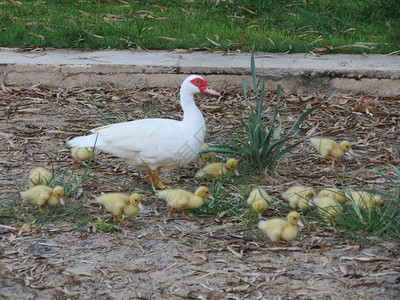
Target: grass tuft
x,y
263,143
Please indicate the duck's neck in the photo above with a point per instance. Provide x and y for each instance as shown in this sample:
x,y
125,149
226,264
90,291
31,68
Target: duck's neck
x,y
192,116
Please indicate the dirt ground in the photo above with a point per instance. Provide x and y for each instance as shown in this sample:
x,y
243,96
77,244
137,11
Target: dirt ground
x,y
207,257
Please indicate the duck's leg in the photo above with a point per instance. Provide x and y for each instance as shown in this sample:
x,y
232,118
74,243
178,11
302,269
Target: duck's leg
x,y
41,208
155,179
287,244
122,221
274,244
331,158
118,218
170,212
185,216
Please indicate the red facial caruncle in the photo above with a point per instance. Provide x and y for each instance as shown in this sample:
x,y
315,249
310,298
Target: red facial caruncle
x,y
203,86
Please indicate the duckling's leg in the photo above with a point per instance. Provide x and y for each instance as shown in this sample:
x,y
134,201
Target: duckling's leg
x,y
41,208
287,244
119,219
274,244
170,212
331,158
185,216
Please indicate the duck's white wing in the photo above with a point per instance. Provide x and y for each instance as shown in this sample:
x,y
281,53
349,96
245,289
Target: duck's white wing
x,y
139,135
155,142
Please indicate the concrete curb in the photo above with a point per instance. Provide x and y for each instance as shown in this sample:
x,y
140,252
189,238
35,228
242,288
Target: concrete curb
x,y
354,74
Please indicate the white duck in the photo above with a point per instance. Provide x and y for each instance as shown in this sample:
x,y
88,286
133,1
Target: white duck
x,y
155,145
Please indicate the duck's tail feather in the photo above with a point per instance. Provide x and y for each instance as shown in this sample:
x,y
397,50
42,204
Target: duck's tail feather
x,y
85,141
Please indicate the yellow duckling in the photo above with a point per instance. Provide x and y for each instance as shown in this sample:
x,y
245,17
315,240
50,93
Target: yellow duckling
x,y
181,199
327,207
217,169
41,195
81,154
330,149
299,196
364,200
205,158
39,176
282,230
259,200
333,193
119,203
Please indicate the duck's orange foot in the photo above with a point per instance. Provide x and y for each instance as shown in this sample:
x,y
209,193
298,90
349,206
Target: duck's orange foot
x,y
287,244
155,179
185,216
274,244
42,209
118,218
122,221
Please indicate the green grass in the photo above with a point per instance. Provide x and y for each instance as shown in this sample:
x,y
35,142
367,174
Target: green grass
x,y
14,210
357,26
373,224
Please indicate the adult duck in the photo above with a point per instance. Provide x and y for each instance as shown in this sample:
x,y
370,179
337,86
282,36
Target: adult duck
x,y
156,145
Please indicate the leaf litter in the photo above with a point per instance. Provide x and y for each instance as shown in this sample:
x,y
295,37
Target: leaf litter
x,y
208,257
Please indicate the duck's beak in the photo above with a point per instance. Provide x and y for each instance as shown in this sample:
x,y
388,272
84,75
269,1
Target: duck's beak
x,y
140,205
61,201
310,203
236,172
210,91
211,197
350,152
300,223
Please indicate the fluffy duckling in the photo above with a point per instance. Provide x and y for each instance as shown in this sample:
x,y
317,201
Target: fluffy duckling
x,y
327,207
330,149
218,169
39,176
81,154
282,230
205,158
120,203
334,193
299,196
41,195
364,200
181,199
259,200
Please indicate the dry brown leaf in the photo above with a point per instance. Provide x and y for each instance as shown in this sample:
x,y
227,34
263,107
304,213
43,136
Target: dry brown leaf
x,y
365,259
213,42
37,35
166,38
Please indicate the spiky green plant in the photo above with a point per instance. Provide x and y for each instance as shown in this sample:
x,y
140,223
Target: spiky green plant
x,y
264,143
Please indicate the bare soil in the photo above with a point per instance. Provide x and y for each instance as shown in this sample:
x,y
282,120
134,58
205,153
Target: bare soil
x,y
207,257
